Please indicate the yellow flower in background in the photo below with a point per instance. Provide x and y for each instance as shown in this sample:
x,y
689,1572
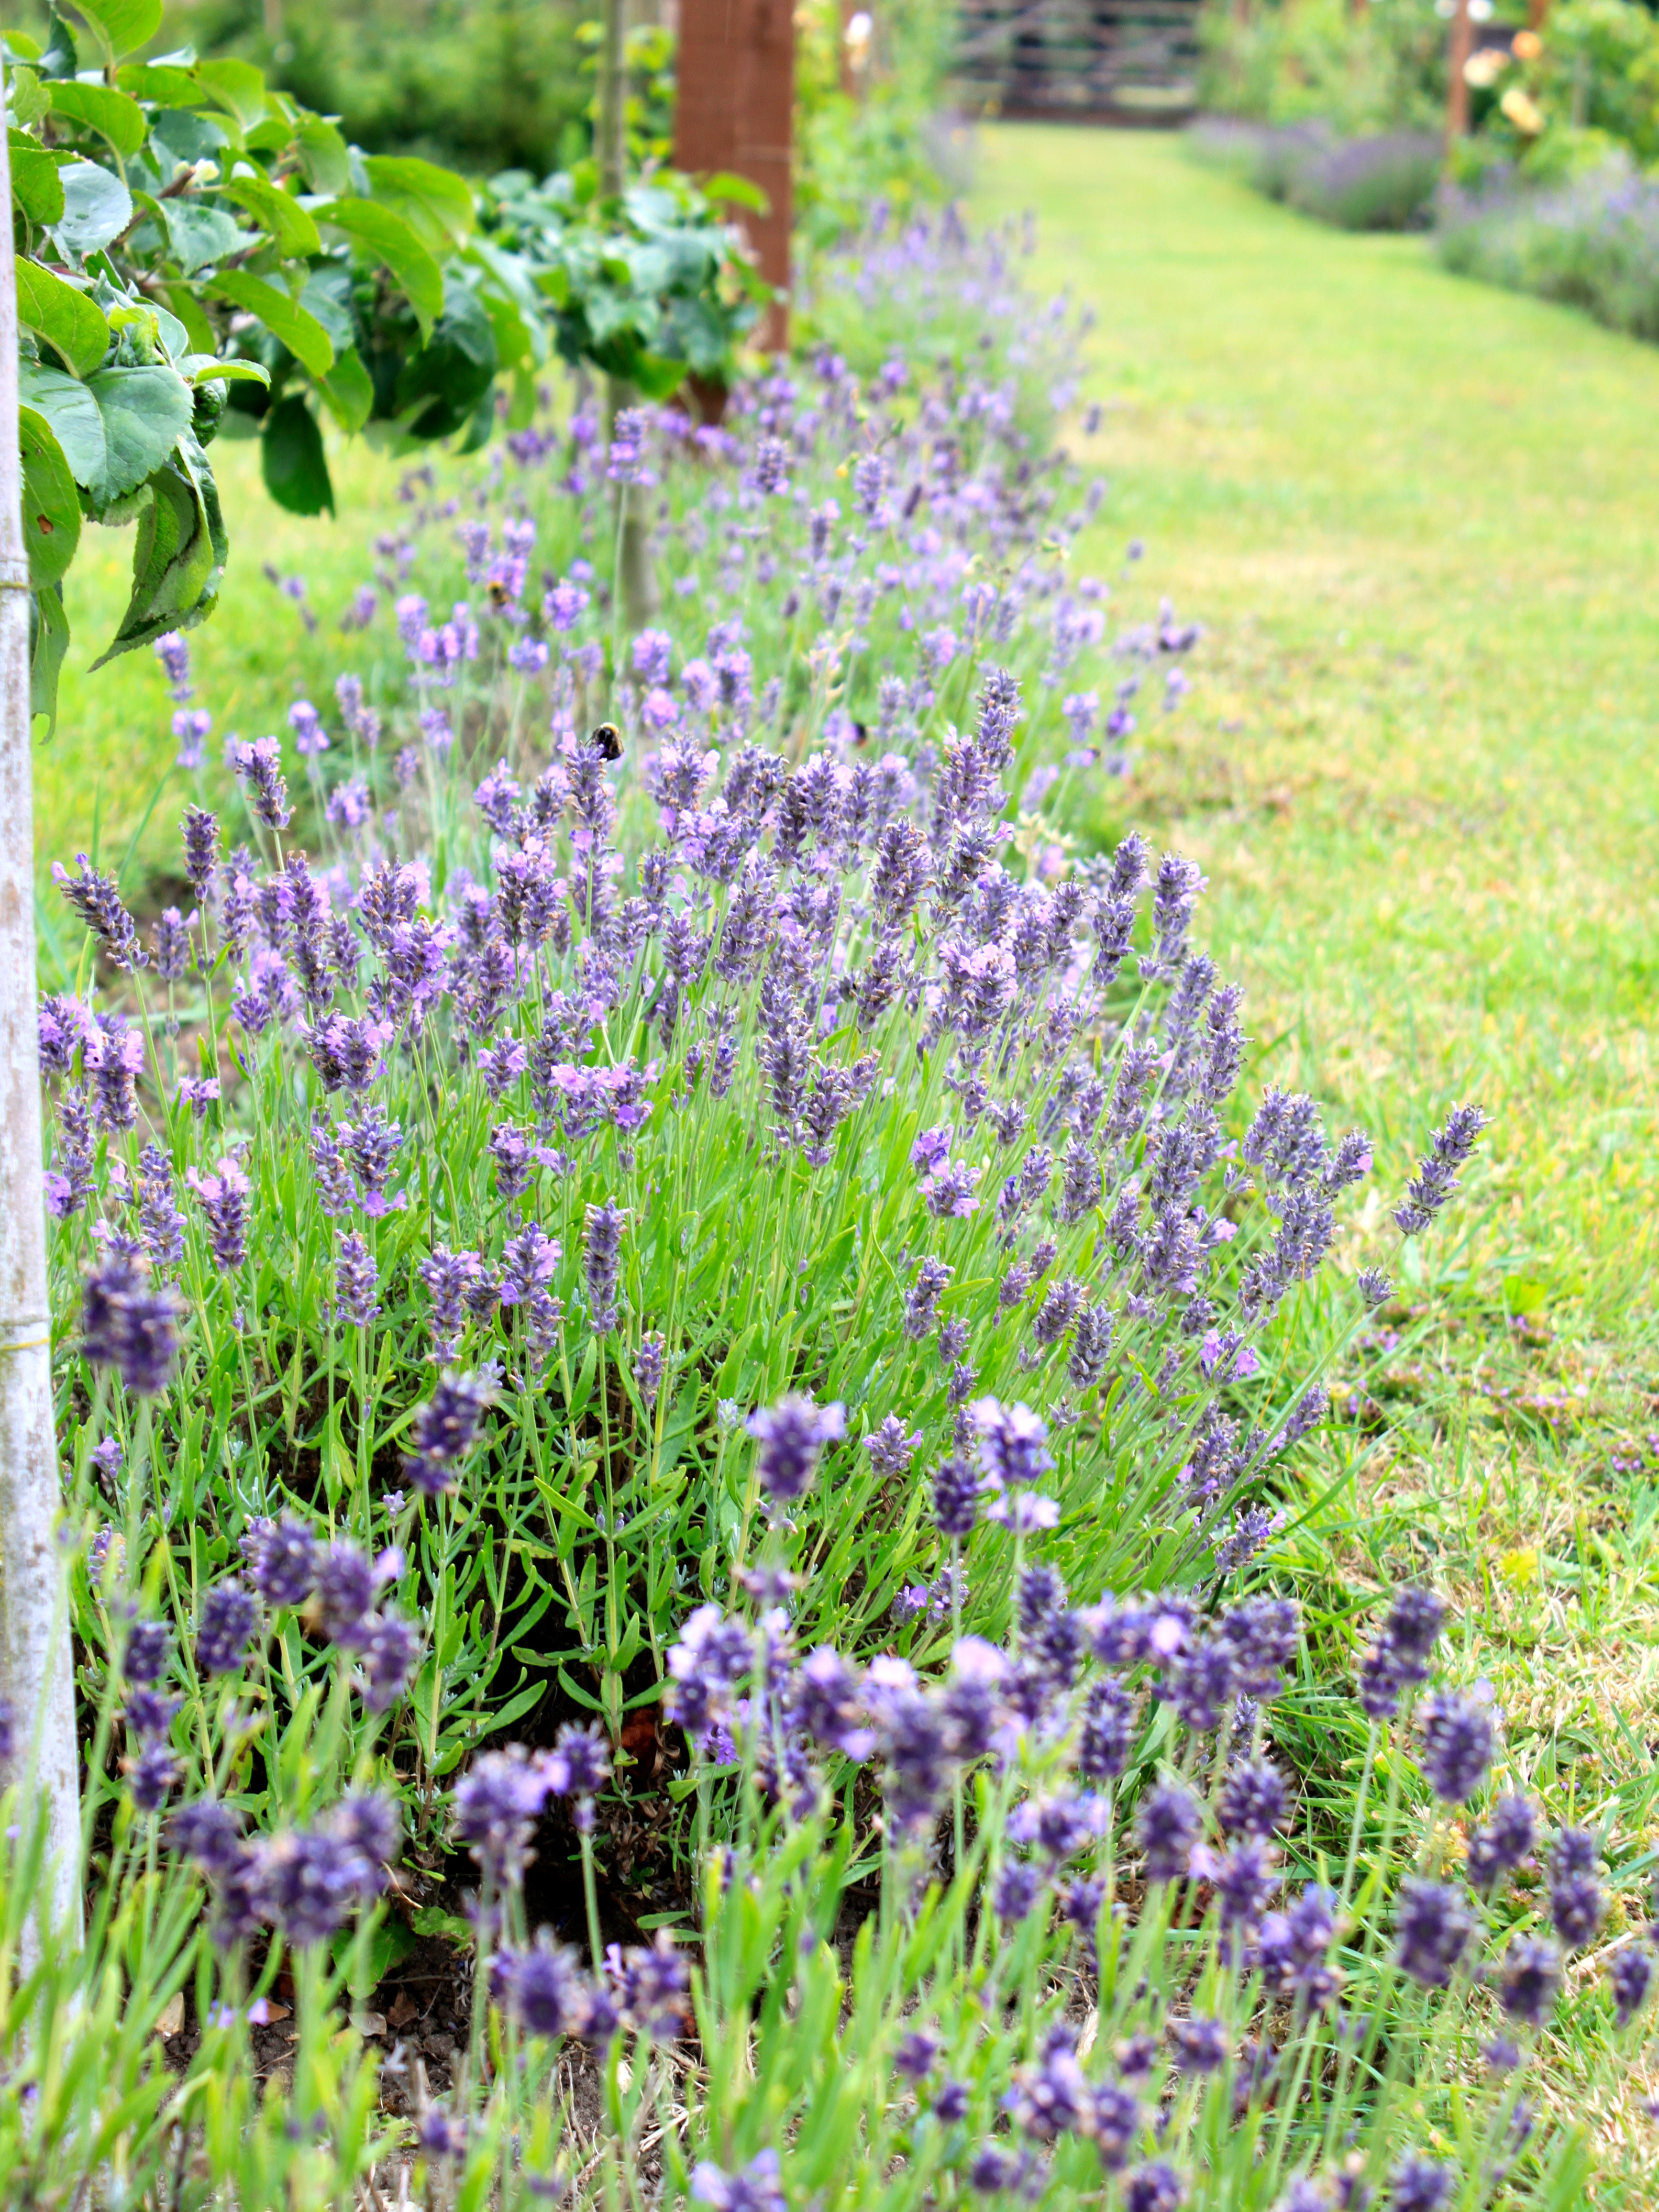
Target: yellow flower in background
x,y
1485,68
1526,45
1523,110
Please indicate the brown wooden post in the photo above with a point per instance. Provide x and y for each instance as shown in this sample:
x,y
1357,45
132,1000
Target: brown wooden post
x,y
735,69
1457,90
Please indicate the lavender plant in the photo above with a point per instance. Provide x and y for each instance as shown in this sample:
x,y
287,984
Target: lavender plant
x,y
682,1219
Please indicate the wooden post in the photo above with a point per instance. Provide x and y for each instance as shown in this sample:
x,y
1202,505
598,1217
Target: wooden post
x,y
35,1675
735,69
1457,90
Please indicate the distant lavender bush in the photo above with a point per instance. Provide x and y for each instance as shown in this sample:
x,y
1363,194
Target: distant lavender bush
x,y
1593,243
1380,182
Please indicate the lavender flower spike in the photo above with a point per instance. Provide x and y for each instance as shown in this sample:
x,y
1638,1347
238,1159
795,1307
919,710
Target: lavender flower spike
x,y
1437,1174
791,1434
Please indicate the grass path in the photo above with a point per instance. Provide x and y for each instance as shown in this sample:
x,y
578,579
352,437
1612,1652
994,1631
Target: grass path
x,y
1420,521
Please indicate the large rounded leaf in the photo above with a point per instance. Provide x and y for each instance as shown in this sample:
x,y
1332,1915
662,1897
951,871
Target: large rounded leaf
x,y
110,114
97,208
145,411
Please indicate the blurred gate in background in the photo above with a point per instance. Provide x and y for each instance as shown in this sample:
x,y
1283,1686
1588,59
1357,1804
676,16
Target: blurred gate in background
x,y
1105,61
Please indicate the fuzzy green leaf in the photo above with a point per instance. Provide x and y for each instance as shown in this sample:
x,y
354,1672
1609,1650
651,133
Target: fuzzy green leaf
x,y
34,184
437,205
236,86
48,642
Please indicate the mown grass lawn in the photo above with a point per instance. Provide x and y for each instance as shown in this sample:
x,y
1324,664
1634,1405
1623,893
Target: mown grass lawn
x,y
1419,519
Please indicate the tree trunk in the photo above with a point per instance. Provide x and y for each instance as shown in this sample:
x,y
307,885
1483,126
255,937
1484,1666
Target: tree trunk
x,y
640,598
35,1672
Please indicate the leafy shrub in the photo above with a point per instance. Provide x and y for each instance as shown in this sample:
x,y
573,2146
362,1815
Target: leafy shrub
x,y
1592,244
1358,73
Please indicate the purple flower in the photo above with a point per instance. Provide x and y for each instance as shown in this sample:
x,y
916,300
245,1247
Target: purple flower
x,y
1432,1927
648,1367
890,1449
345,1584
1200,2046
387,1648
229,1617
283,1560
203,1830
753,2187
1252,1800
1154,2188
1630,1977
791,1435
444,1430
1458,1743
1528,1978
224,1202
96,900
1107,1734
921,1300
581,1762
150,1777
1167,1826
1436,1172
259,766
602,1262
1418,2185
129,1325
544,1989
1500,1844
497,1803
310,738
356,1276
1012,1442
1576,1904
955,1498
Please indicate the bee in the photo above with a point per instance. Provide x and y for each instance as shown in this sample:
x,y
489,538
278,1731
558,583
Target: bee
x,y
499,595
608,739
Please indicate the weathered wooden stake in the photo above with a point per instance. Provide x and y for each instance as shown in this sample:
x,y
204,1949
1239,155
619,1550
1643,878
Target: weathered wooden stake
x,y
1457,89
736,69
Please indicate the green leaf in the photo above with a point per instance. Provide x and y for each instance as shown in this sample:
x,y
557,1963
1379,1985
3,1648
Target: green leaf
x,y
280,213
111,114
453,370
49,642
73,415
61,57
201,235
121,26
145,411
179,555
327,294
237,87
97,207
739,191
291,455
30,100
70,323
203,368
385,235
324,156
300,332
348,390
657,377
437,205
51,512
34,184
199,334
166,86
